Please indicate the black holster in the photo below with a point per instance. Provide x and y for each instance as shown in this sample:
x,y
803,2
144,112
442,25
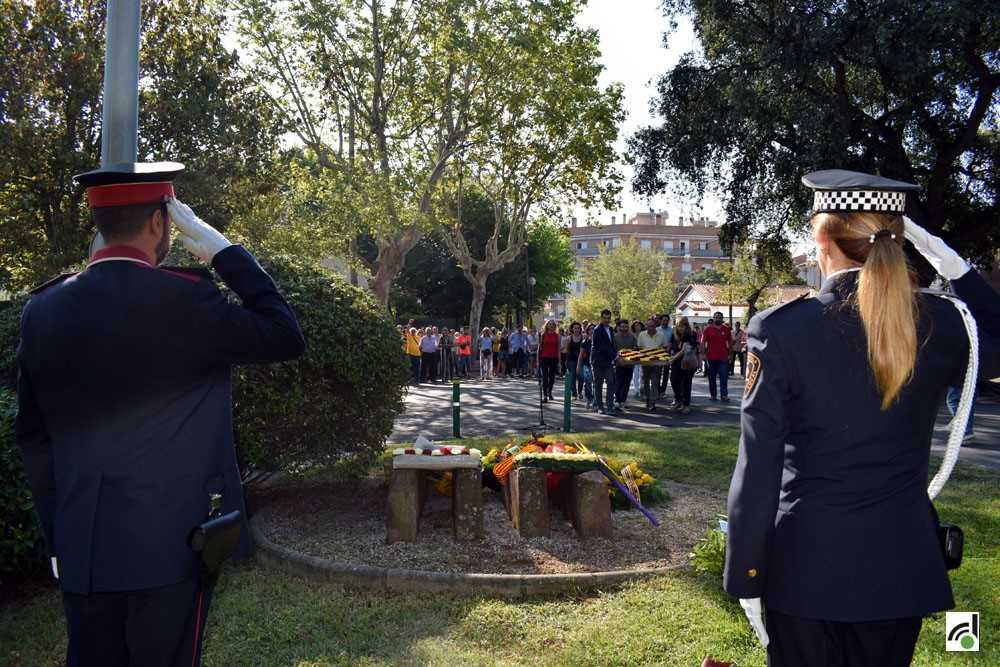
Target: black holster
x,y
952,540
216,540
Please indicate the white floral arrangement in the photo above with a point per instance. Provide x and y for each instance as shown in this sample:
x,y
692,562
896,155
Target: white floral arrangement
x,y
437,451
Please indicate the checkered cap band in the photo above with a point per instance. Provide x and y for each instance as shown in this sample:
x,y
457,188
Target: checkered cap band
x,y
859,200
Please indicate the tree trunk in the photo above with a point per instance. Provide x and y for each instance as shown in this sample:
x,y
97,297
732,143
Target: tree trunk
x,y
476,311
752,303
391,256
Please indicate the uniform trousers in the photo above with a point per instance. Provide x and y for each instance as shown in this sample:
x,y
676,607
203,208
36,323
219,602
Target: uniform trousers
x,y
803,642
154,627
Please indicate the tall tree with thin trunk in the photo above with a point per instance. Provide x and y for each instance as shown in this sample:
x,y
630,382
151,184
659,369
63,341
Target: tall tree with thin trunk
x,y
550,142
383,95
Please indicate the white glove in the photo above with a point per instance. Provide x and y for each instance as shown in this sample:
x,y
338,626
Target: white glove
x,y
201,239
948,263
751,607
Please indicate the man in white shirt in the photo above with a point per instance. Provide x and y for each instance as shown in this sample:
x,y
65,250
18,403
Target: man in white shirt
x,y
429,354
668,333
651,339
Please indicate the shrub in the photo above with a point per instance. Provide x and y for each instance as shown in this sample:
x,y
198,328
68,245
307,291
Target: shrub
x,y
22,543
10,336
709,554
336,403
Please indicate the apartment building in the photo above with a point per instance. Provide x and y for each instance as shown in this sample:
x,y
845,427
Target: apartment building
x,y
689,244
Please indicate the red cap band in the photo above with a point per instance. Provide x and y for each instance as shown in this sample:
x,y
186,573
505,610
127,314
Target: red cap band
x,y
127,194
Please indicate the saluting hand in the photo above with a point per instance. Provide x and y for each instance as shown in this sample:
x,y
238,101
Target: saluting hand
x,y
945,261
201,239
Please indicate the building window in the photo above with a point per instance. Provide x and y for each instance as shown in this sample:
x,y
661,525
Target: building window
x,y
683,245
703,245
669,245
615,242
685,268
646,243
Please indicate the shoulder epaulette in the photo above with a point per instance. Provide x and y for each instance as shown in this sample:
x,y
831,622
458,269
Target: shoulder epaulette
x,y
192,273
773,309
52,282
937,292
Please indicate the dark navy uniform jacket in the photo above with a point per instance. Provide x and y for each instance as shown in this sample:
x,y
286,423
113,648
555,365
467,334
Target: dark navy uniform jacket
x,y
124,413
829,516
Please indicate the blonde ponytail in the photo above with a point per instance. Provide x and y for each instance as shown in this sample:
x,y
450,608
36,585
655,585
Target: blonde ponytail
x,y
885,297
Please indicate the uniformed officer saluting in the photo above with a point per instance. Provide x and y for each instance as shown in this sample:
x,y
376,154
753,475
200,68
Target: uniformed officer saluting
x,y
829,518
124,415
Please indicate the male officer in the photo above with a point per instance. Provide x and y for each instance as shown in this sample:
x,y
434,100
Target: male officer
x,y
124,415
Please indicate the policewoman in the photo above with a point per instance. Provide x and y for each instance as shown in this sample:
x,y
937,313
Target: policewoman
x,y
124,406
830,523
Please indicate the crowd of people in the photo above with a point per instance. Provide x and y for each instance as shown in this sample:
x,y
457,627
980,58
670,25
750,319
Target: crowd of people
x,y
589,352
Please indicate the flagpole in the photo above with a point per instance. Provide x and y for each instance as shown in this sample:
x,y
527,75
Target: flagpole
x,y
120,119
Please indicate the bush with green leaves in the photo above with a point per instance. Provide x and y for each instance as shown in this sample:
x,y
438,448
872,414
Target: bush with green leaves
x,y
709,554
10,336
22,544
338,402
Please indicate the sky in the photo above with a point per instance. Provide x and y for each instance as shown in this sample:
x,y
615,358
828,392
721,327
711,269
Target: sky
x,y
633,54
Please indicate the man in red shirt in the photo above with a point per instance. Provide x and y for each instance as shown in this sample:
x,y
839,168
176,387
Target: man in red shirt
x,y
463,342
715,344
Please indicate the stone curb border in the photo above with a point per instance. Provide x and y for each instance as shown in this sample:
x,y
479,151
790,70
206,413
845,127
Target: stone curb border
x,y
393,580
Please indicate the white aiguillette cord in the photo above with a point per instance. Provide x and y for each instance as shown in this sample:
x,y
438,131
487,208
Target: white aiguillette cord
x,y
961,418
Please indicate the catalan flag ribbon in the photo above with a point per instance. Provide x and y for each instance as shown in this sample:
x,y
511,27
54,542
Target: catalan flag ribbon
x,y
653,357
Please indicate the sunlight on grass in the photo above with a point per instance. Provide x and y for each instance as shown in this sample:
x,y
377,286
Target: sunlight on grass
x,y
263,617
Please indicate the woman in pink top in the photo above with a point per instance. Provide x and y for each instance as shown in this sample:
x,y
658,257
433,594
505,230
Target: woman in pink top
x,y
548,358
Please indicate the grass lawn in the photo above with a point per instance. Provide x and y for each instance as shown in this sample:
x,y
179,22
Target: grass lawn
x,y
264,618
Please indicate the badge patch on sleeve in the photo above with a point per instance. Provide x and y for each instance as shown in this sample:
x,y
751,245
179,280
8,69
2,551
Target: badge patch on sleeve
x,y
754,365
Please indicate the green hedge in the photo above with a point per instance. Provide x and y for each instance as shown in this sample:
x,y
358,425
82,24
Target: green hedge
x,y
339,401
22,545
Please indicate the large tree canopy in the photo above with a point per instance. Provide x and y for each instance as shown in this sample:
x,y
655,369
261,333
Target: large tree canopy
x,y
195,106
632,281
903,88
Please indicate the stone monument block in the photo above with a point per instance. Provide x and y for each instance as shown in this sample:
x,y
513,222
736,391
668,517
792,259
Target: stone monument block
x,y
406,496
529,502
467,504
590,508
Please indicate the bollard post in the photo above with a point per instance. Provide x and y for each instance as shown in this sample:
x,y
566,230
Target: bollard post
x,y
456,409
568,403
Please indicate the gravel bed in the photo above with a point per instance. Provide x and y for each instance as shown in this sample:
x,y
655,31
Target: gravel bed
x,y
345,523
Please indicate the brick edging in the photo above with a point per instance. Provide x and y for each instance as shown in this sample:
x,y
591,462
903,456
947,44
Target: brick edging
x,y
395,580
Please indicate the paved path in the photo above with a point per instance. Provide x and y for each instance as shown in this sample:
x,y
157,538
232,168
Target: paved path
x,y
497,407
